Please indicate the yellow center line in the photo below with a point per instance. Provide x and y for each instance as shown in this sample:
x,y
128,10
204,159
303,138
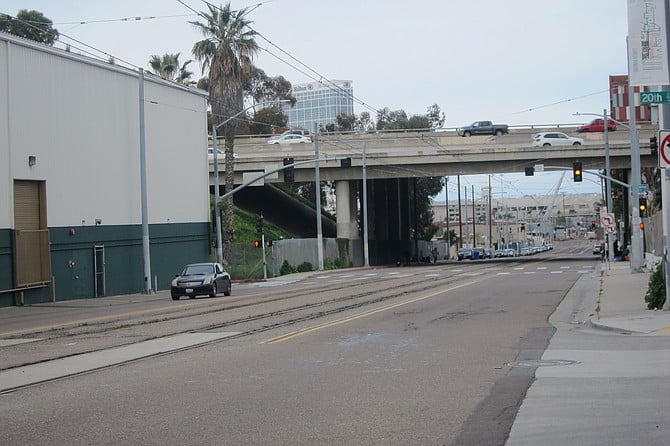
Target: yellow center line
x,y
314,328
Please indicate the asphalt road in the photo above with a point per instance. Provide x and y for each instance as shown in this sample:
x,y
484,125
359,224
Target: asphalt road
x,y
392,356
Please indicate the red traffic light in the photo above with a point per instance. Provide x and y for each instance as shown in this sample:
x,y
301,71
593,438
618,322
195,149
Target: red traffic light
x,y
257,243
641,226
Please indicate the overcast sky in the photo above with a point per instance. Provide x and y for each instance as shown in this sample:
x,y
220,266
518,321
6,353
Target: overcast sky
x,y
515,62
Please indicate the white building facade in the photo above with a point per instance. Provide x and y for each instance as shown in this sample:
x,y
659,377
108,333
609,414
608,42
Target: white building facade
x,y
70,187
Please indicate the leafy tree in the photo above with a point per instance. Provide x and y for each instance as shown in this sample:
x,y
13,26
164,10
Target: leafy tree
x,y
345,122
263,88
450,236
265,120
418,122
31,25
167,66
391,120
364,123
435,117
227,52
426,188
398,120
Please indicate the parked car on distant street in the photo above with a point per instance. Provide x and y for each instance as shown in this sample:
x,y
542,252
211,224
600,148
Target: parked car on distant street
x,y
464,253
555,139
478,254
289,138
597,125
597,249
199,279
510,252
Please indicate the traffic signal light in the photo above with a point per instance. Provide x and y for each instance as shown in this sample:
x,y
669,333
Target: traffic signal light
x,y
641,226
642,206
288,172
259,224
653,144
530,171
257,243
577,171
346,162
593,224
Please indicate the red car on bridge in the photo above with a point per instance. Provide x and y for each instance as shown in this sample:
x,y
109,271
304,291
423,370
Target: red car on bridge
x,y
597,125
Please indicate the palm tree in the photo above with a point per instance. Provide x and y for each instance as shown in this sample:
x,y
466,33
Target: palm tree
x,y
227,51
167,67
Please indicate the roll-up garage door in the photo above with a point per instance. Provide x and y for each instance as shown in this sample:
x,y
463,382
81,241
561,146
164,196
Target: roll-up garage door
x,y
31,235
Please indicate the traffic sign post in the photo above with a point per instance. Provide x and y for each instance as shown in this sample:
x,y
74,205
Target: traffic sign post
x,y
654,97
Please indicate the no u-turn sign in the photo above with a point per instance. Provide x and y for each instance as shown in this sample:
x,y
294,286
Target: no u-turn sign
x,y
664,149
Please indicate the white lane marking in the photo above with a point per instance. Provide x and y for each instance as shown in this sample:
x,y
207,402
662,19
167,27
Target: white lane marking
x,y
30,374
503,274
432,275
530,272
541,267
457,270
374,274
565,267
557,272
8,342
519,268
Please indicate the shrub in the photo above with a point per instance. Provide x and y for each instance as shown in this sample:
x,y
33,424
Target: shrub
x,y
655,296
286,268
337,264
305,267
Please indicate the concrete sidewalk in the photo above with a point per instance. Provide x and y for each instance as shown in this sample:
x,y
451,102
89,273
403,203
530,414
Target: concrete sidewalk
x,y
621,303
605,376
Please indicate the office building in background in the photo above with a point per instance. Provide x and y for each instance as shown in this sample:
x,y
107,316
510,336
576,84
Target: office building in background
x,y
320,103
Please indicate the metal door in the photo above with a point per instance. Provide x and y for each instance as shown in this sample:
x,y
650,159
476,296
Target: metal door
x,y
99,270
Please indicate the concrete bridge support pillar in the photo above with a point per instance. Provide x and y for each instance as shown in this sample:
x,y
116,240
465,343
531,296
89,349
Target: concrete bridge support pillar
x,y
346,202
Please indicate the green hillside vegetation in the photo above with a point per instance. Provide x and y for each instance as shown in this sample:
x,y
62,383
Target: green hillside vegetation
x,y
245,229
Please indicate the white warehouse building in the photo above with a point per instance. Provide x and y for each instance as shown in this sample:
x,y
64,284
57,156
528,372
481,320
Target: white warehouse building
x,y
70,188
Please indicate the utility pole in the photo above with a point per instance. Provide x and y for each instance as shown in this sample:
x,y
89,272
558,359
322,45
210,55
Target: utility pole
x,y
474,219
317,189
446,208
608,185
460,212
146,245
490,219
467,227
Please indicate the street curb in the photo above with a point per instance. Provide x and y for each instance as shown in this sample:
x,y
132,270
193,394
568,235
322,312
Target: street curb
x,y
592,323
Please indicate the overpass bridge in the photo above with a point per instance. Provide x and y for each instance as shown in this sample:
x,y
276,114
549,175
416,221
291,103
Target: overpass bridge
x,y
393,159
421,154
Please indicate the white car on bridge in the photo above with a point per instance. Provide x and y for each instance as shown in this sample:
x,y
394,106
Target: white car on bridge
x,y
555,139
289,138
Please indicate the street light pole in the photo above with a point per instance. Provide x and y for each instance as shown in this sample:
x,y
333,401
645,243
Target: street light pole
x,y
217,199
608,184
